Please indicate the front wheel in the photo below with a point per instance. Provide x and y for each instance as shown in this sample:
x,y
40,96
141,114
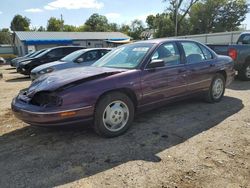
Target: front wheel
x,y
217,89
244,73
113,115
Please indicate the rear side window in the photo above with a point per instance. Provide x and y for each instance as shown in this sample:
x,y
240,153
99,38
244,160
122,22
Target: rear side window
x,y
206,52
103,52
244,39
193,52
67,51
91,56
55,53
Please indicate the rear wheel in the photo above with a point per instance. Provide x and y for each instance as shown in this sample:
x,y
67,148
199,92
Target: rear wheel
x,y
217,89
113,115
244,73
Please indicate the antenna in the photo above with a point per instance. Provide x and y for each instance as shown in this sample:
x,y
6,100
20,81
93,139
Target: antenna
x,y
61,22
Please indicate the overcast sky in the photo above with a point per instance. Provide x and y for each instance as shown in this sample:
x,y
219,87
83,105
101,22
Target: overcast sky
x,y
75,12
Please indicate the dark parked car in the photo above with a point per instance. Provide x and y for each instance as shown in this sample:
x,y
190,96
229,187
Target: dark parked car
x,y
2,61
239,52
13,61
78,58
16,62
49,55
129,79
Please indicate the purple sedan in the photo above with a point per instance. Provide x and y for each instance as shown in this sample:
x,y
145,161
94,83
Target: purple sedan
x,y
131,78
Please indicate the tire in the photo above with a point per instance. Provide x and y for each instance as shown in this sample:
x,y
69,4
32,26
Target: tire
x,y
244,73
114,114
213,95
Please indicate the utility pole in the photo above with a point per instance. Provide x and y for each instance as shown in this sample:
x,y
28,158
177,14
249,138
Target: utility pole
x,y
176,17
61,22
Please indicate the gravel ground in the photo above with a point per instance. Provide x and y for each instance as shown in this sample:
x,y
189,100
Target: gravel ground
x,y
185,144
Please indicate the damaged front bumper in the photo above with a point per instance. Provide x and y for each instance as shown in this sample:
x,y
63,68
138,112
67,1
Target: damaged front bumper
x,y
42,116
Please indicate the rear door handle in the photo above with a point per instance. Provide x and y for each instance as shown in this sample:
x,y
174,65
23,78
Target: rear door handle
x,y
212,65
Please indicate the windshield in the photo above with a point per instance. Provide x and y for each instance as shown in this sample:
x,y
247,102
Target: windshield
x,y
126,56
72,56
37,53
45,51
29,54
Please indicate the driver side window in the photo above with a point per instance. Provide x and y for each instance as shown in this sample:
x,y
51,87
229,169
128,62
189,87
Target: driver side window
x,y
55,53
88,56
168,53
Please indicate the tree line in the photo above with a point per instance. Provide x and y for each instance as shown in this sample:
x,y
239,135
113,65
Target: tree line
x,y
181,17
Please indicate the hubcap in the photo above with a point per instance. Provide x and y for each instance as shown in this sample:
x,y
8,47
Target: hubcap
x,y
217,88
248,71
115,116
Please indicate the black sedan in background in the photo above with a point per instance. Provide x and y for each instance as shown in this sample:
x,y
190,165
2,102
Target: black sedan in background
x,y
16,62
49,55
13,61
79,58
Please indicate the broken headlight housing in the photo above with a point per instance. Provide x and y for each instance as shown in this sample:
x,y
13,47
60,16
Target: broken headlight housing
x,y
46,99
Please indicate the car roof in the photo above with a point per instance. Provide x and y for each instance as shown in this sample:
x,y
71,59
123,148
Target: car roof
x,y
89,49
162,40
57,47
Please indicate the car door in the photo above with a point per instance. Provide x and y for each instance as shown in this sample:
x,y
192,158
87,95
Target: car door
x,y
199,65
165,82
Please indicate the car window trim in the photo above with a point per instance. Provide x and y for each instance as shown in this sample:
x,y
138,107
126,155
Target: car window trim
x,y
152,53
206,49
203,61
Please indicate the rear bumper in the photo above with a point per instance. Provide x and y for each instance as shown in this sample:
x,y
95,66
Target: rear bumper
x,y
41,116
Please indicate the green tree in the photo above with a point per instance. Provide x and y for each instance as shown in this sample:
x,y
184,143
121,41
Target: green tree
x,y
55,24
97,22
113,27
69,28
41,28
150,21
81,28
217,15
136,29
163,25
178,10
20,23
125,29
5,36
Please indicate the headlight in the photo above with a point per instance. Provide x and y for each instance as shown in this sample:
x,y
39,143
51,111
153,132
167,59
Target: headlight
x,y
46,99
25,62
44,71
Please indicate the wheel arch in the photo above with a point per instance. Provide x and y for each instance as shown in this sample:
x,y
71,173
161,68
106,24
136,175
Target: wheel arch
x,y
247,59
223,73
129,92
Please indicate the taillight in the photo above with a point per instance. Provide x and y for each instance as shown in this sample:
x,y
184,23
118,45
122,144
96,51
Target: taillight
x,y
232,53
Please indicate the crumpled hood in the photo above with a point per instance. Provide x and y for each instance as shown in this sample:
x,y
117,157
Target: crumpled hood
x,y
53,81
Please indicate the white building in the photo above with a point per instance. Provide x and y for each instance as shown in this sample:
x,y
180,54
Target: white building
x,y
27,41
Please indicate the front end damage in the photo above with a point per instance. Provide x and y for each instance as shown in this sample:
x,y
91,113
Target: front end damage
x,y
46,109
56,101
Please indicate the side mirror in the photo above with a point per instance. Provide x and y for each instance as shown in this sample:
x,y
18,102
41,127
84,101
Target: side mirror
x,y
79,60
155,63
